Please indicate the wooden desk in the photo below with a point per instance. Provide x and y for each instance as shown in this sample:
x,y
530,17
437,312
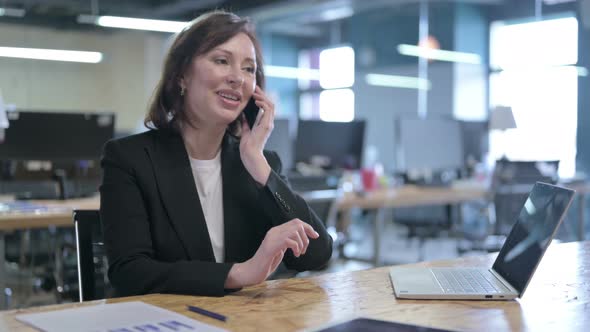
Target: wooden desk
x,y
558,299
59,214
405,196
409,196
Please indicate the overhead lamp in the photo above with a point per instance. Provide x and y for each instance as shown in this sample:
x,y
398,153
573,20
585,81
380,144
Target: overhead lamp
x,y
133,23
436,54
396,81
334,14
49,54
502,118
13,12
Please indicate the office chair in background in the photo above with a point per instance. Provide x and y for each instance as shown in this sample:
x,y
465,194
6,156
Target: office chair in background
x,y
93,282
511,184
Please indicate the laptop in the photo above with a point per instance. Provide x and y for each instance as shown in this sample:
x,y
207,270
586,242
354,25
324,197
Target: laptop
x,y
539,218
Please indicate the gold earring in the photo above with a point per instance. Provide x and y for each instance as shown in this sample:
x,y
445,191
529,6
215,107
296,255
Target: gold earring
x,y
182,91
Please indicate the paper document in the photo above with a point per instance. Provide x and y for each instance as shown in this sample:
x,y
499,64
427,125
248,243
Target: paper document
x,y
116,317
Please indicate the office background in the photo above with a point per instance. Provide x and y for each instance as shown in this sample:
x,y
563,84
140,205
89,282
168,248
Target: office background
x,y
389,85
123,81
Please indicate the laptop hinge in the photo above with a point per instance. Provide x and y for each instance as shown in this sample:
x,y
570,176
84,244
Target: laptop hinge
x,y
504,282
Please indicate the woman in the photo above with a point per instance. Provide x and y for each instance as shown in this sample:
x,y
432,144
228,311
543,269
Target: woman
x,y
195,206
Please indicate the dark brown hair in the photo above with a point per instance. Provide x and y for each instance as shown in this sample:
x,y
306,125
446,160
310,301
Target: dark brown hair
x,y
166,108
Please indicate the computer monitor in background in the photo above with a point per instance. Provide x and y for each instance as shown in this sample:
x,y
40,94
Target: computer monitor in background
x,y
281,141
339,143
42,148
433,144
56,136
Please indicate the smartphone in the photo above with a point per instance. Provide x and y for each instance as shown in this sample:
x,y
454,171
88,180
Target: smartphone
x,y
251,112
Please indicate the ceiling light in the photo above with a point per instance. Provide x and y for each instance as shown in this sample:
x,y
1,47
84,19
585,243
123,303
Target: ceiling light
x,y
441,55
336,14
48,54
133,23
396,81
291,72
14,12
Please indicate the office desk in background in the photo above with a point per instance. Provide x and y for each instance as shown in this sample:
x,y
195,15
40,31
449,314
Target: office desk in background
x,y
416,196
405,196
50,214
557,299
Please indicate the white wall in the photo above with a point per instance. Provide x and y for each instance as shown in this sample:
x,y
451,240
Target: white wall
x,y
121,83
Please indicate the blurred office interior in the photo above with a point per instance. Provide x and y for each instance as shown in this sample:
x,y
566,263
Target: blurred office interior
x,y
430,97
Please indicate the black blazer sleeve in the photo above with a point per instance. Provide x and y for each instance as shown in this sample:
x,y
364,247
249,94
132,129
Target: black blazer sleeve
x,y
134,267
281,204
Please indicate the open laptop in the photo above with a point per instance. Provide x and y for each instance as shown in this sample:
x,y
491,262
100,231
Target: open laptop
x,y
508,278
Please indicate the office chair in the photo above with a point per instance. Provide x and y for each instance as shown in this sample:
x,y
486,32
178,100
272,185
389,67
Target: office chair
x,y
91,257
423,223
511,184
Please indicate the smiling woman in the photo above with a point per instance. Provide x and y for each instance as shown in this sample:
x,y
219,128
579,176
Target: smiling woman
x,y
196,205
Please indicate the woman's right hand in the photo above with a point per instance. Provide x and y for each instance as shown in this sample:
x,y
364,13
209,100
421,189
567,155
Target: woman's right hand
x,y
292,235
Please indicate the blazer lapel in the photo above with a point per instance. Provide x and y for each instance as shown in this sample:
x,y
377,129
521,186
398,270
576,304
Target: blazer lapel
x,y
179,195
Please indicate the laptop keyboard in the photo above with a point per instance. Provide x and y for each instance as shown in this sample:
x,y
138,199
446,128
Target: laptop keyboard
x,y
469,281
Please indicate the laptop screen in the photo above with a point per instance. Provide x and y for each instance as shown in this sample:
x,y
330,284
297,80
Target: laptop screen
x,y
530,236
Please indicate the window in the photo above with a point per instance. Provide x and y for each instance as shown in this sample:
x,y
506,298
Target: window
x,y
331,99
534,73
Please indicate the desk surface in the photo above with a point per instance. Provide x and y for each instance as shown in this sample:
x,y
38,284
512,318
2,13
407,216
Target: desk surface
x,y
59,214
557,299
407,196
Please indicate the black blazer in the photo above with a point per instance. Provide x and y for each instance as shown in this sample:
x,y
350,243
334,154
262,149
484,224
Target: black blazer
x,y
155,233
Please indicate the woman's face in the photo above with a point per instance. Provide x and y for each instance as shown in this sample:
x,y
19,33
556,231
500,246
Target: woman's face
x,y
220,82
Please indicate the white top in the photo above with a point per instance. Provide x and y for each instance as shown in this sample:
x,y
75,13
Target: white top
x,y
207,175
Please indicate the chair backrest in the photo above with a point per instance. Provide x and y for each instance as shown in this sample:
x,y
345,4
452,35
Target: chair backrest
x,y
511,185
92,280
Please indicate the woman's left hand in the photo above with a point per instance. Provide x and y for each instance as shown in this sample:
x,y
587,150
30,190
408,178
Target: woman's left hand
x,y
253,140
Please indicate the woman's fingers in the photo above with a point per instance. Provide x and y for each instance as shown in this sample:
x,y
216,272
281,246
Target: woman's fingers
x,y
245,127
265,117
309,231
302,232
294,246
293,235
299,238
303,236
262,101
259,117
